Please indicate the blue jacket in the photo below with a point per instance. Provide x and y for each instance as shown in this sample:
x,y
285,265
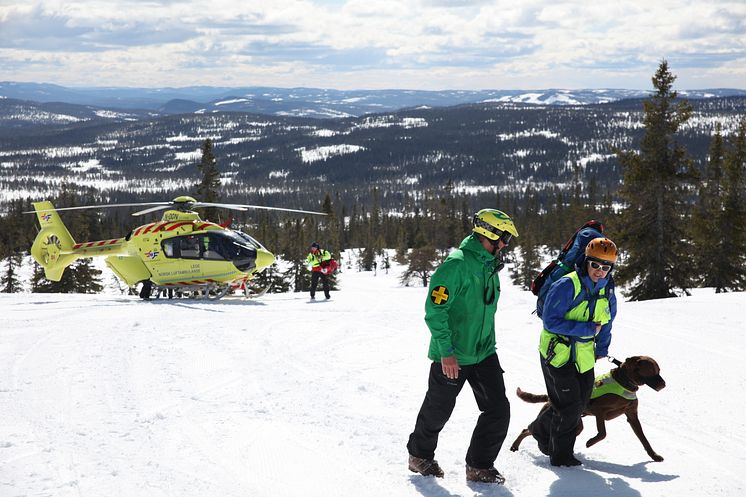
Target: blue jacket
x,y
559,301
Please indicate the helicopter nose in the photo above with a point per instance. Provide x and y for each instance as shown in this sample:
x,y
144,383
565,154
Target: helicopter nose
x,y
264,258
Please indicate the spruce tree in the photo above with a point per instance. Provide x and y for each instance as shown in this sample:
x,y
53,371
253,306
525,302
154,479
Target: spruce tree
x,y
654,230
208,189
529,264
421,264
271,279
708,248
402,250
87,277
10,281
331,227
730,266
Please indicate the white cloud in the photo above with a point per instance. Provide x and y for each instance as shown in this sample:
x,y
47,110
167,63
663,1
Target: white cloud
x,y
428,44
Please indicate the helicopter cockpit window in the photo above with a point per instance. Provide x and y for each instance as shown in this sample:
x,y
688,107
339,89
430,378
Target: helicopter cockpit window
x,y
252,241
239,250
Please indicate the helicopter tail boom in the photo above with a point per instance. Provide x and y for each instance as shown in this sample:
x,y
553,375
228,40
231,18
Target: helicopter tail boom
x,y
54,248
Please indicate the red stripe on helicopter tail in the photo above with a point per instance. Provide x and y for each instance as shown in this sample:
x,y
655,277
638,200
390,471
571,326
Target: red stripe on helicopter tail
x,y
147,230
137,231
97,244
161,226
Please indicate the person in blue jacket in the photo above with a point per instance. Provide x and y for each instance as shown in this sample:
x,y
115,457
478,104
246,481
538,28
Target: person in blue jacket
x,y
579,310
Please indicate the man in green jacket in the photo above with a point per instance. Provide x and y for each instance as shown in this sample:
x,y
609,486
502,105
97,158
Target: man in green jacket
x,y
460,313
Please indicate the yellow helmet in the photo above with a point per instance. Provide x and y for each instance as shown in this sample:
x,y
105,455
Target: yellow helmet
x,y
602,249
491,223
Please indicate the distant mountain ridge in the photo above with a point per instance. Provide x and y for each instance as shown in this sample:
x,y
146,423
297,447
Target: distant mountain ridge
x,y
312,102
481,150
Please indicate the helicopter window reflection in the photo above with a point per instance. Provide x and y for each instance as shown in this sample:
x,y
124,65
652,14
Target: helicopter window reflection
x,y
189,247
236,247
168,248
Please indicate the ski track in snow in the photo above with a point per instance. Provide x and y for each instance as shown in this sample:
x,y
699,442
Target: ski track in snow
x,y
108,395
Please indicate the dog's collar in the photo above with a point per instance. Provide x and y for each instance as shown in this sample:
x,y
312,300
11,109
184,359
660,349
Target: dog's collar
x,y
621,376
607,383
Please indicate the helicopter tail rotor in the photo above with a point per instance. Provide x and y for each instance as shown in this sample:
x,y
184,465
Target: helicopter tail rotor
x,y
53,246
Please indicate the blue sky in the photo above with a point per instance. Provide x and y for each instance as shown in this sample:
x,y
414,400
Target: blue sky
x,y
355,44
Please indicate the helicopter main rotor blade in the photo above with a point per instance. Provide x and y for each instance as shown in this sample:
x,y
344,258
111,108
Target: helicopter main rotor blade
x,y
152,209
223,206
97,207
246,206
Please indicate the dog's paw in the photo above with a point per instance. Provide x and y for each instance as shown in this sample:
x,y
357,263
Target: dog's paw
x,y
656,457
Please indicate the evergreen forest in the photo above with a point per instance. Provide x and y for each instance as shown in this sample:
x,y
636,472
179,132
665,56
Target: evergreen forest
x,y
666,176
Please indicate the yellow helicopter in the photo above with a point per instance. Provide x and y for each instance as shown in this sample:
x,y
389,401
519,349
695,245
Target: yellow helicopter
x,y
179,255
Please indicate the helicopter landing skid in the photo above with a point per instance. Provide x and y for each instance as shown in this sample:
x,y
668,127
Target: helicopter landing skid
x,y
211,291
252,294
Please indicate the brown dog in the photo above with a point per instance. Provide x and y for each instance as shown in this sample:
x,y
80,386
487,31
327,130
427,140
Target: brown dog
x,y
610,400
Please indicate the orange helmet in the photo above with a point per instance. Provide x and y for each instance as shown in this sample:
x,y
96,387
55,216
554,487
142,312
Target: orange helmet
x,y
601,249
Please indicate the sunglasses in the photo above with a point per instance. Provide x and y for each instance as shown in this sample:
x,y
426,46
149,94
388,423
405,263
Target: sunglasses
x,y
602,267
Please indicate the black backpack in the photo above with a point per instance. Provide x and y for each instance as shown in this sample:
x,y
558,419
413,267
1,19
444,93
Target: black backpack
x,y
572,253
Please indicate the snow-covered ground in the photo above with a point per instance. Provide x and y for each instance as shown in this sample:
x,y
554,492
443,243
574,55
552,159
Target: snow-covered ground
x,y
107,395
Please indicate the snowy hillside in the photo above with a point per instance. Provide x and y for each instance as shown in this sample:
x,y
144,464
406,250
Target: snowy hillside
x,y
110,396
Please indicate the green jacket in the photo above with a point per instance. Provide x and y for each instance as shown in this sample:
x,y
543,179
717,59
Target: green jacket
x,y
461,304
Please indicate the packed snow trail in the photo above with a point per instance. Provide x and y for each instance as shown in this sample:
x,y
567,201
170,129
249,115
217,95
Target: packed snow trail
x,y
110,395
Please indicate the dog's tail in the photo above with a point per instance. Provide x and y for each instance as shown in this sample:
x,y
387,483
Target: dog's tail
x,y
531,398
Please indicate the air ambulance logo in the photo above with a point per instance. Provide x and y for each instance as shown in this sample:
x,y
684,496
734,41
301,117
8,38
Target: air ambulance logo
x,y
439,295
46,217
152,254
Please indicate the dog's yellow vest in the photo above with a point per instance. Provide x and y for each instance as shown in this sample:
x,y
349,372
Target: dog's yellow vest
x,y
607,384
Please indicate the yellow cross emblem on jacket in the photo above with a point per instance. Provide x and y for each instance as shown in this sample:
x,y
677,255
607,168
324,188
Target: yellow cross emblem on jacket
x,y
439,295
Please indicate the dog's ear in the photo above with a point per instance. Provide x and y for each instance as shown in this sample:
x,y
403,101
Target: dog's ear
x,y
647,366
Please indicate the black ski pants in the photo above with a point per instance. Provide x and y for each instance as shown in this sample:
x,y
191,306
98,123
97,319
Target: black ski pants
x,y
486,381
315,275
555,428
